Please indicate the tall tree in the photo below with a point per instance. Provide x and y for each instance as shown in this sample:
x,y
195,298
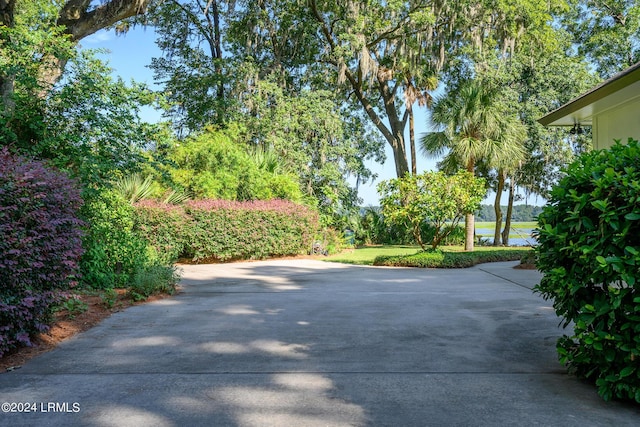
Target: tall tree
x,y
375,48
312,138
76,19
195,75
607,32
529,59
29,36
472,127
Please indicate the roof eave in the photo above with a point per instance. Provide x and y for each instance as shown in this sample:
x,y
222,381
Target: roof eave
x,y
606,88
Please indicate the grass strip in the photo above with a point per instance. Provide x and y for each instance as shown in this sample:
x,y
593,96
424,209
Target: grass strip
x,y
446,259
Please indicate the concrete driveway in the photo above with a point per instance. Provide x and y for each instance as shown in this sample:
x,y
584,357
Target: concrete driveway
x,y
308,343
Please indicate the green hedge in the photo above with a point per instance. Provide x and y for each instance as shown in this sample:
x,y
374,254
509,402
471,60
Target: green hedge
x,y
589,252
162,226
444,259
217,230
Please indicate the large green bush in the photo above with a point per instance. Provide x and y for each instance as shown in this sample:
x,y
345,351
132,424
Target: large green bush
x,y
215,164
114,252
433,197
589,252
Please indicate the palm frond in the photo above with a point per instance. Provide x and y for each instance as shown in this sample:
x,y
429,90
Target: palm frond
x,y
434,144
134,188
176,197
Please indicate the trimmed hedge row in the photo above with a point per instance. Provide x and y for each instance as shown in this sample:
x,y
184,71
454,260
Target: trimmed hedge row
x,y
218,230
443,259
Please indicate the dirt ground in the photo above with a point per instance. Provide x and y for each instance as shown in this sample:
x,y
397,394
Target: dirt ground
x,y
67,325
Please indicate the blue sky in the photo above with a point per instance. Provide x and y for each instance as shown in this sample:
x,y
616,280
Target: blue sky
x,y
131,53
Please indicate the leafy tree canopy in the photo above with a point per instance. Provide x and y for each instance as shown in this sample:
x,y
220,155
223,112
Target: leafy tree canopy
x,y
434,197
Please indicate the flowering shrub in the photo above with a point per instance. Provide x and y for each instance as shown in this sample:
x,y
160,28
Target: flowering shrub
x,y
249,230
162,226
40,245
224,230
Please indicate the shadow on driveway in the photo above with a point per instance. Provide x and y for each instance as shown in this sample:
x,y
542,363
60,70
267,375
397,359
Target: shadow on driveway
x,y
310,343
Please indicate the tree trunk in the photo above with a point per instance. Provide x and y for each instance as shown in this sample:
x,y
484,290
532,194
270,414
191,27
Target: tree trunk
x,y
218,49
394,134
507,224
80,20
497,209
469,219
470,232
399,151
7,12
412,141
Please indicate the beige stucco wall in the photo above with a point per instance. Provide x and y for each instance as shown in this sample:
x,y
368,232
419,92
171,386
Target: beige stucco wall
x,y
620,122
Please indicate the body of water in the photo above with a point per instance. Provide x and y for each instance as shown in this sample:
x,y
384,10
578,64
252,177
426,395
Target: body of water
x,y
517,237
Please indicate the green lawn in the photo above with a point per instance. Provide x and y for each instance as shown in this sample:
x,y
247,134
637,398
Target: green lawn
x,y
518,225
366,255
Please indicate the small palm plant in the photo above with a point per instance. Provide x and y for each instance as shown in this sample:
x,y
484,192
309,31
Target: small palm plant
x,y
134,188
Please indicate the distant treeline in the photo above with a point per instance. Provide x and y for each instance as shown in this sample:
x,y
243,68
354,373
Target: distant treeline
x,y
520,213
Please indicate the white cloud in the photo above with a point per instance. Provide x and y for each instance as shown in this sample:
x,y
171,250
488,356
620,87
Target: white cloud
x,y
99,37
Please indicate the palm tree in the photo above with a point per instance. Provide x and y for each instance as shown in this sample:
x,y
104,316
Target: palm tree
x,y
473,126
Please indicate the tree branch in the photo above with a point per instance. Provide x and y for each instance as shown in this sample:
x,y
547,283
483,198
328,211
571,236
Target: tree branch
x,y
82,22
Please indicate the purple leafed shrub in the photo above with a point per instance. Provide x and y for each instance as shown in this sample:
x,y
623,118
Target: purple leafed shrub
x,y
40,244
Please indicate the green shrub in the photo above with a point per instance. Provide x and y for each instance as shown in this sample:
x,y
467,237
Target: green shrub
x,y
589,252
224,230
444,259
215,164
433,197
113,250
155,279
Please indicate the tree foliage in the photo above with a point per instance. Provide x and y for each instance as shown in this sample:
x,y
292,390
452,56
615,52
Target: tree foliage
x,y
216,165
313,139
432,197
606,32
93,123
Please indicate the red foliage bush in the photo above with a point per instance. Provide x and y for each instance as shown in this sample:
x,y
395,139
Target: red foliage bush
x,y
162,226
227,230
40,244
224,230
